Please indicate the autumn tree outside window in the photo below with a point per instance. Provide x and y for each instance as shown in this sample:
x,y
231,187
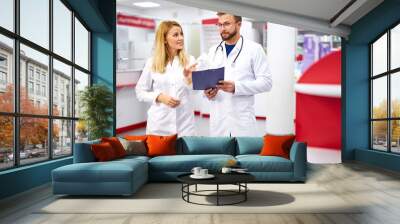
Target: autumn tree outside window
x,y
44,64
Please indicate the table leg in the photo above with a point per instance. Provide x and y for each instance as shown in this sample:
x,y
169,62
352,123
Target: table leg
x,y
188,190
182,189
196,188
245,193
217,194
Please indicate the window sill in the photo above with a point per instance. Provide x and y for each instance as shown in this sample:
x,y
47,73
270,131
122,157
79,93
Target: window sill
x,y
26,167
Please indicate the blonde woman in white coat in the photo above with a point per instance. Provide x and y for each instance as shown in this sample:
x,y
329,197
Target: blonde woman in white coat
x,y
166,83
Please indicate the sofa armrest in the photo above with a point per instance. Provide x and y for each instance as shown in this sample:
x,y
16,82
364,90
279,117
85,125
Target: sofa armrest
x,y
83,152
298,155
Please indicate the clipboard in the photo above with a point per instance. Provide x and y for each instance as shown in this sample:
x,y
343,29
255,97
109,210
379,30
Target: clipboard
x,y
206,79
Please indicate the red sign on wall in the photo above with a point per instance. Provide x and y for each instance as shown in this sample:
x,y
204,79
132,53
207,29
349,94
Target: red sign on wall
x,y
212,21
135,21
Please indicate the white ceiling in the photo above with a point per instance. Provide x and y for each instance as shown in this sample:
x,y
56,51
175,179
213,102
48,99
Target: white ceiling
x,y
318,9
315,15
321,9
167,10
163,4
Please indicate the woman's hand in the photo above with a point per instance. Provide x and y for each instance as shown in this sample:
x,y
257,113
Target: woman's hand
x,y
168,100
187,72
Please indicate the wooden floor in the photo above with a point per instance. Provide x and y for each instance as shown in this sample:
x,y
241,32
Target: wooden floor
x,y
377,188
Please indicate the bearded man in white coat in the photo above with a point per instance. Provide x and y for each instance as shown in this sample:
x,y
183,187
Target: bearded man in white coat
x,y
232,110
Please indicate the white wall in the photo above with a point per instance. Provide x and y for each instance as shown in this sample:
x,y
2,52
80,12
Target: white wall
x,y
129,109
280,100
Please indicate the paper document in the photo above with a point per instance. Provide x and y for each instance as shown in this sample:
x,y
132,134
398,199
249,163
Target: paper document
x,y
207,78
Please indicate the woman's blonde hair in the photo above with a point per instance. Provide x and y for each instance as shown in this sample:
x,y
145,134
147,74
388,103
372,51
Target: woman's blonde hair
x,y
161,53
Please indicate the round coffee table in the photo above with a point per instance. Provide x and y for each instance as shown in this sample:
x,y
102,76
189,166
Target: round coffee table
x,y
238,179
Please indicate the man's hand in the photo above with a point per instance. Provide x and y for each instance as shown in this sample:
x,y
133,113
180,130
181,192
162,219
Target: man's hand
x,y
227,86
168,100
211,93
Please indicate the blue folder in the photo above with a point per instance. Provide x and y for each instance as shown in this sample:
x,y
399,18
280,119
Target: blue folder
x,y
207,78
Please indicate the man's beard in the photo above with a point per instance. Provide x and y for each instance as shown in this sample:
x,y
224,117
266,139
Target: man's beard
x,y
231,35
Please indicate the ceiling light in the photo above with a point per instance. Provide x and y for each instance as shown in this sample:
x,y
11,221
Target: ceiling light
x,y
146,4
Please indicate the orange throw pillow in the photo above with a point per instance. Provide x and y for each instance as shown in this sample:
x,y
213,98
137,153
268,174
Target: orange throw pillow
x,y
116,145
277,145
103,152
161,145
136,138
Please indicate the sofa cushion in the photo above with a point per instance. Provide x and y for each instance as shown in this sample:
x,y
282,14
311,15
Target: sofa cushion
x,y
103,152
83,152
134,147
132,158
185,163
196,145
275,145
112,171
257,163
116,145
249,145
136,137
161,145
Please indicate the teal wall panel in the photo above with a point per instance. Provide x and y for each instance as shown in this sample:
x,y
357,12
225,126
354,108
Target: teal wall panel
x,y
380,159
355,86
24,178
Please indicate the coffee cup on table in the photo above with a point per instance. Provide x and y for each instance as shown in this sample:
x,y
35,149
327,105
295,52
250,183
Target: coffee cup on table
x,y
203,172
196,171
226,170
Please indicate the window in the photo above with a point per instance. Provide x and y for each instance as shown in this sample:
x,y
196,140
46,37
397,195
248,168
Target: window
x,y
3,78
62,140
6,142
44,91
3,61
30,72
33,149
62,74
6,71
40,62
35,22
81,81
54,126
81,45
385,91
55,102
395,47
37,89
379,56
3,72
30,87
37,75
62,29
7,14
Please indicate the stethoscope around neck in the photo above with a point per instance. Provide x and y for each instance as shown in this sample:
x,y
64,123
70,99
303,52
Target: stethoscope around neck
x,y
222,50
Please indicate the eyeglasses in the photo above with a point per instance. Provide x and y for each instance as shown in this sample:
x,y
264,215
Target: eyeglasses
x,y
223,25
